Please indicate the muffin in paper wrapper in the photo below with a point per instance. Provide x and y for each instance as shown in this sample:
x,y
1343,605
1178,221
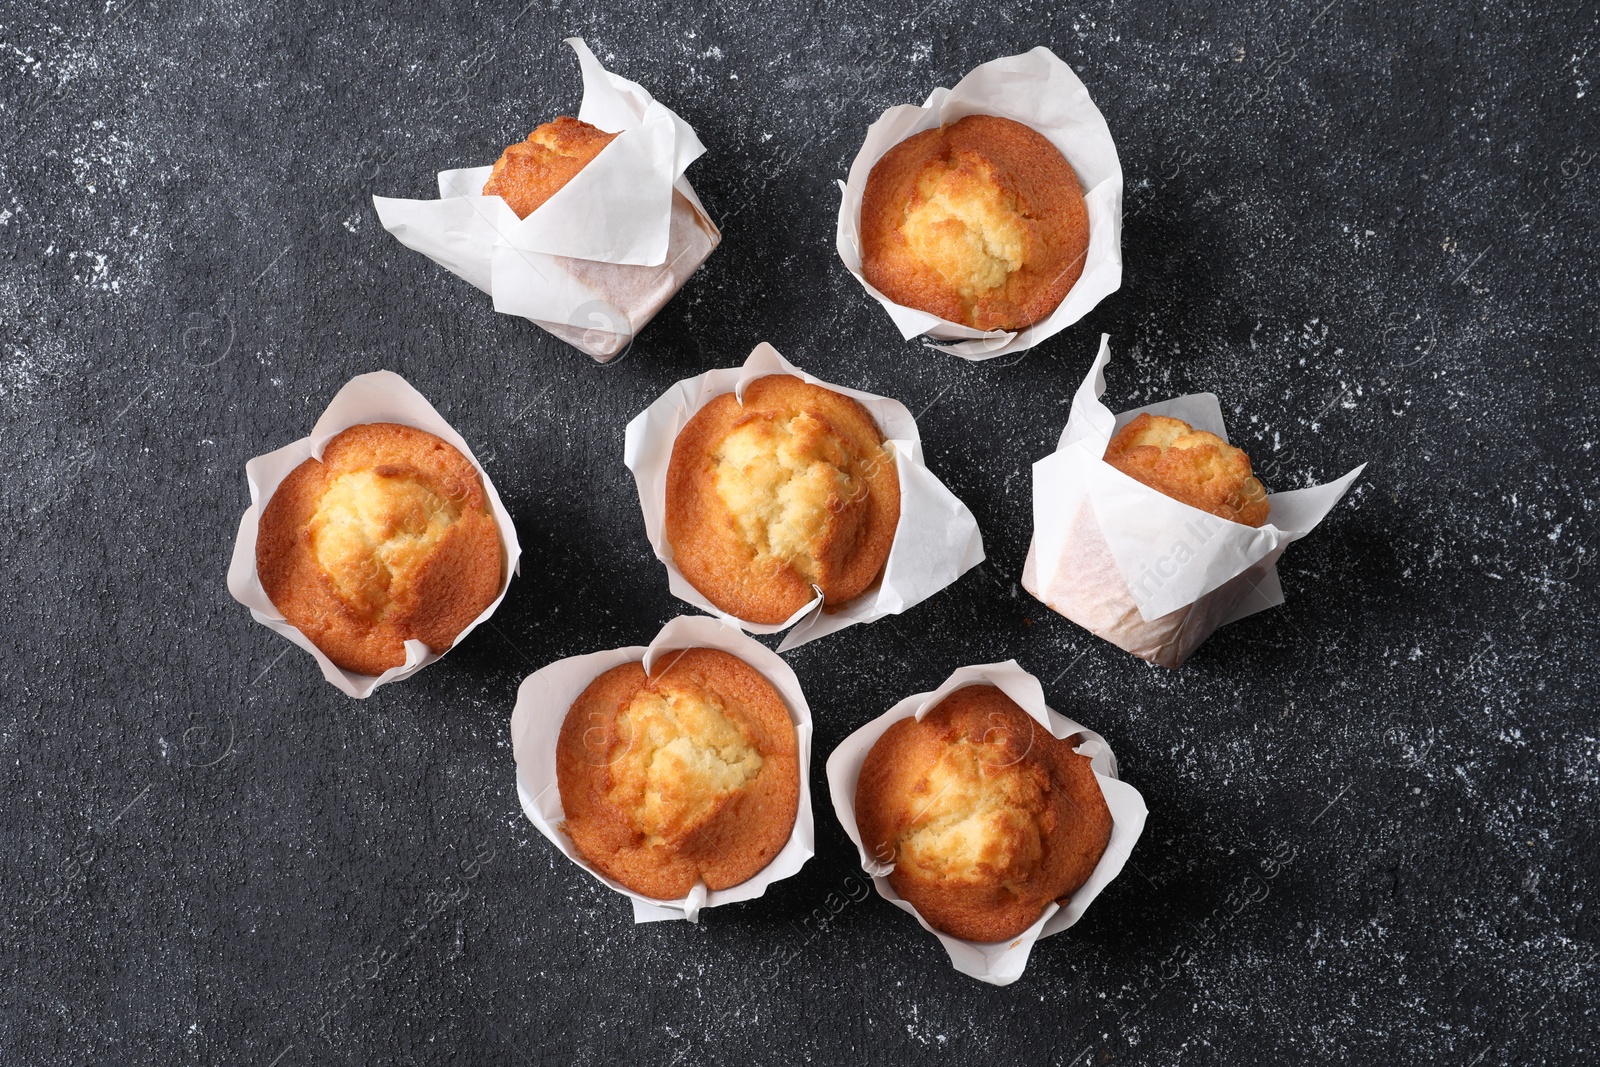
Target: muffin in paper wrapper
x,y
1038,90
594,263
935,542
544,698
381,396
1150,574
998,962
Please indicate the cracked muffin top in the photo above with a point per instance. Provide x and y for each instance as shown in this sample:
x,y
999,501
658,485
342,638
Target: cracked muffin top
x,y
986,815
791,491
1194,466
981,222
690,773
388,537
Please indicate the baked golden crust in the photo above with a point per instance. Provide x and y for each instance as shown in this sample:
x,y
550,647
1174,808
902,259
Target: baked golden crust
x,y
985,814
981,222
793,488
1196,467
387,537
690,773
530,172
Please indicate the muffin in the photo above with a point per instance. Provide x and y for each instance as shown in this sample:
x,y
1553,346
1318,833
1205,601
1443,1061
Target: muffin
x,y
980,222
690,773
530,172
986,816
388,537
1196,467
794,488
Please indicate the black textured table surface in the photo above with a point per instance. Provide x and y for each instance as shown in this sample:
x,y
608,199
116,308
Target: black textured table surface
x,y
1373,818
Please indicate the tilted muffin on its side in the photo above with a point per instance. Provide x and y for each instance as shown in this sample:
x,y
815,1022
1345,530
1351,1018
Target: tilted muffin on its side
x,y
1193,466
386,538
793,488
986,816
530,172
690,773
981,222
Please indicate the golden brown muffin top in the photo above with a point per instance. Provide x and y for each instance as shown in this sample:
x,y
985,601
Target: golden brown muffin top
x,y
986,816
791,489
1196,467
386,538
690,773
981,222
530,172
677,758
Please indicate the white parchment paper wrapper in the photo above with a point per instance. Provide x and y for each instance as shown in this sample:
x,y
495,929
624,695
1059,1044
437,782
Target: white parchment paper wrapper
x,y
1148,573
544,698
598,259
936,541
999,962
1036,89
381,396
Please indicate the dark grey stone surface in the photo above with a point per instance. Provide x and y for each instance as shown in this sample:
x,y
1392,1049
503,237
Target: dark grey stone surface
x,y
1368,227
